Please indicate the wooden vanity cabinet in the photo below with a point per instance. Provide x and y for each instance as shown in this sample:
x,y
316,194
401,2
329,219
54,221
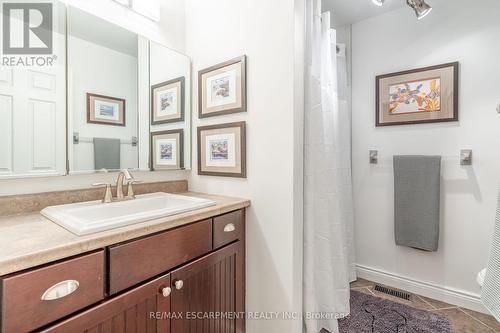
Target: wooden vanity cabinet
x,y
135,261
228,228
186,280
206,295
37,297
211,296
127,313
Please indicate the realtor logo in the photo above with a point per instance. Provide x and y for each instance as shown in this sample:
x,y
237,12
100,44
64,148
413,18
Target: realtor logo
x,y
27,28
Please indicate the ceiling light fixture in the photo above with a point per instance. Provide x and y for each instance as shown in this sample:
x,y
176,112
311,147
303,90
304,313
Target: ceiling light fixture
x,y
420,7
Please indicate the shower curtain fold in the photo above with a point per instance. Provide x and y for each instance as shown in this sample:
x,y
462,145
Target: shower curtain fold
x,y
328,211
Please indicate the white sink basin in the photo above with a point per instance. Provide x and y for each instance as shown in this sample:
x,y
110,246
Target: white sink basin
x,y
94,216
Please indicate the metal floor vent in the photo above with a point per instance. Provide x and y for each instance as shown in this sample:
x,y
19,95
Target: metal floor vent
x,y
393,292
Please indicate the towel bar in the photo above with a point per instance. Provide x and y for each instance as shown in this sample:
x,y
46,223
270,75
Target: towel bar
x,y
77,139
465,157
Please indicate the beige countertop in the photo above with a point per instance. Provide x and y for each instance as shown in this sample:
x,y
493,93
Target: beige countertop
x,y
31,240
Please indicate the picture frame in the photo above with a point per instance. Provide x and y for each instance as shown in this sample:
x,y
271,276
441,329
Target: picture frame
x,y
105,110
167,150
222,150
168,101
222,88
418,96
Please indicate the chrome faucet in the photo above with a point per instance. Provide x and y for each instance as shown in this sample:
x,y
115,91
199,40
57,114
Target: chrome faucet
x,y
119,183
123,175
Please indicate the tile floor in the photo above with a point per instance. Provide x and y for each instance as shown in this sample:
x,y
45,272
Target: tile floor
x,y
462,320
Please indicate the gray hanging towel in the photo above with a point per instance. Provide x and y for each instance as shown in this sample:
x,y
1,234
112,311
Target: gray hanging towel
x,y
417,183
107,154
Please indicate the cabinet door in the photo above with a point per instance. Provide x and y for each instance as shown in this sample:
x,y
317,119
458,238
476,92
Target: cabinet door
x,y
208,294
143,309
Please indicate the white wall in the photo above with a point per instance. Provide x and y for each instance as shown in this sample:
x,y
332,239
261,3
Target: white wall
x,y
219,30
459,30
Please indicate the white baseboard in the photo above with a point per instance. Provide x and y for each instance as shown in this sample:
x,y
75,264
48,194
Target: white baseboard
x,y
444,294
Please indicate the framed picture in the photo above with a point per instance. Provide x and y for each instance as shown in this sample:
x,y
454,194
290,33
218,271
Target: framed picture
x,y
222,150
167,102
222,88
167,150
105,110
424,95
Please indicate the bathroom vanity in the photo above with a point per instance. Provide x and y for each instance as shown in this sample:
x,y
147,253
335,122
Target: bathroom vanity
x,y
182,273
111,261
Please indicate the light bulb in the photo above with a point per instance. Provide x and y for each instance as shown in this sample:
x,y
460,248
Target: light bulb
x,y
378,2
420,7
424,12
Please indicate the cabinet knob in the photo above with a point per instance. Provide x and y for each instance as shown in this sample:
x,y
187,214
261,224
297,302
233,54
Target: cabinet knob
x,y
179,284
229,227
166,291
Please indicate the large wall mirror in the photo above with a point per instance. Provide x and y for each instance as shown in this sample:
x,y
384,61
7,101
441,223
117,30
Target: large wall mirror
x,y
102,94
113,100
170,117
128,100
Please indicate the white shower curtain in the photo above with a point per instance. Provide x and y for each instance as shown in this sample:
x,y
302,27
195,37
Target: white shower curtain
x,y
328,218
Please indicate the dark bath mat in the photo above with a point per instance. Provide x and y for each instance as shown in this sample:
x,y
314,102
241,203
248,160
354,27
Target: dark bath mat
x,y
370,314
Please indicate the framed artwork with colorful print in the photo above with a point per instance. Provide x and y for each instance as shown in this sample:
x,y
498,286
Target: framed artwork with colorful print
x,y
222,150
105,110
424,95
167,150
222,88
167,102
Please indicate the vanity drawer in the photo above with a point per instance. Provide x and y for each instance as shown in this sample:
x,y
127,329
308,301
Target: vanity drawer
x,y
228,228
32,299
137,261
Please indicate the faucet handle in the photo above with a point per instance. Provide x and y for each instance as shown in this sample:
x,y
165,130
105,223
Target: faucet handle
x,y
108,195
130,189
127,174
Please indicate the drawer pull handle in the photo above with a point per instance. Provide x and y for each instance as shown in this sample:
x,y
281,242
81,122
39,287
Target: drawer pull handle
x,y
229,227
179,284
60,290
166,291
